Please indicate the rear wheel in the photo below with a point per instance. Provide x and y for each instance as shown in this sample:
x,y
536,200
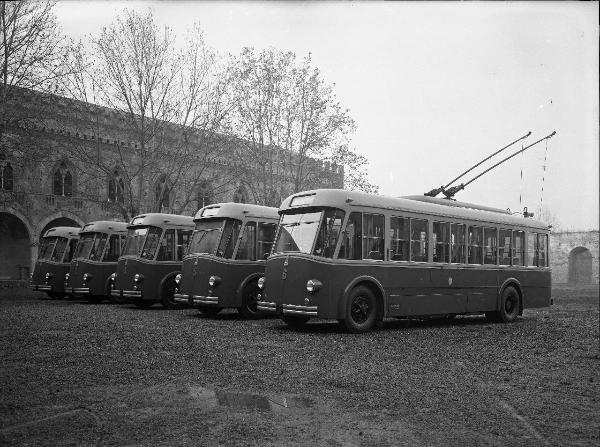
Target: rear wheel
x,y
250,301
168,294
361,310
510,306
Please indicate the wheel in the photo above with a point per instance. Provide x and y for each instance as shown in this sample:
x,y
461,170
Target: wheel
x,y
361,310
510,304
250,301
168,294
209,310
295,322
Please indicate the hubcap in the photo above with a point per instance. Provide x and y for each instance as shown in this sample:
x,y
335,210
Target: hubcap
x,y
360,309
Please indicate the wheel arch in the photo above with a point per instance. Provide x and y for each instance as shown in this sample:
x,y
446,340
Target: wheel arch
x,y
164,280
376,288
247,280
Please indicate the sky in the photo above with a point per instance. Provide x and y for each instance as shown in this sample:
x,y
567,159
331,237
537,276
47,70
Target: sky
x,y
434,87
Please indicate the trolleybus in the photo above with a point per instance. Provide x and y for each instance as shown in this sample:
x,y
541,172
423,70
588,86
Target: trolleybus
x,y
358,258
226,257
151,258
54,257
95,259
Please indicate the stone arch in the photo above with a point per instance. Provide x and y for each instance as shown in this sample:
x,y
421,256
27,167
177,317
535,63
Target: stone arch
x,y
15,239
61,219
580,266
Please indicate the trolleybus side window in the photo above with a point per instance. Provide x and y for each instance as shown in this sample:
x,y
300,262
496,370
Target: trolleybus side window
x,y
490,237
458,243
399,235
70,250
373,236
531,247
229,238
98,247
183,240
113,250
418,240
351,247
328,233
266,235
122,240
247,248
518,248
441,241
542,250
59,251
475,245
151,243
166,252
504,247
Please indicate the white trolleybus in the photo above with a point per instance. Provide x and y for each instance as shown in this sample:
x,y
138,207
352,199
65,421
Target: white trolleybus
x,y
359,258
226,257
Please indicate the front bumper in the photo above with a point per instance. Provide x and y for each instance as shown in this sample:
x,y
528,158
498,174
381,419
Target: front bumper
x,y
41,288
131,293
198,300
266,306
79,290
181,298
303,311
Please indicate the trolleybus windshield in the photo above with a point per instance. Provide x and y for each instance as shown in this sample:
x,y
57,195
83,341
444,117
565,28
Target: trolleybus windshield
x,y
314,232
47,247
142,241
215,237
85,246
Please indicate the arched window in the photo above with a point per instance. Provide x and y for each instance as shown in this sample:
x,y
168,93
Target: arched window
x,y
62,184
115,188
6,176
204,195
240,195
162,193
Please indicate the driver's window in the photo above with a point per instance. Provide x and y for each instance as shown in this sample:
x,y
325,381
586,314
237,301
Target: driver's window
x,y
247,248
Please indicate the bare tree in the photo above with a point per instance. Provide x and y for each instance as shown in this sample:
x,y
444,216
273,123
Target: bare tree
x,y
167,103
32,55
290,122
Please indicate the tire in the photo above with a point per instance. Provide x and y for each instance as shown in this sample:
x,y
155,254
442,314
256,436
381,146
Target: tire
x,y
167,294
361,310
510,305
295,322
249,301
210,311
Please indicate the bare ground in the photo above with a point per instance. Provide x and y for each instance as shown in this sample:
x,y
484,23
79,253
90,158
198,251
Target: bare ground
x,y
73,373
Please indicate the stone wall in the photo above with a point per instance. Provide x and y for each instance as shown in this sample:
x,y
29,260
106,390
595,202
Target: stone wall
x,y
565,248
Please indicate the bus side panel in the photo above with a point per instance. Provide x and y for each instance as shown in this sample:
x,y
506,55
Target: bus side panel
x,y
482,286
537,288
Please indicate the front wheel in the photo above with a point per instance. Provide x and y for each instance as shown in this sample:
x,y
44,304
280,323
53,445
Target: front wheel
x,y
361,310
167,296
250,301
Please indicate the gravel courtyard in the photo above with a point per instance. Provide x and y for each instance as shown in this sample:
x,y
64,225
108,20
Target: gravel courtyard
x,y
74,373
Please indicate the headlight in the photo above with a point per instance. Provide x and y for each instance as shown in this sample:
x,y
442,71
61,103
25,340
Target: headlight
x,y
261,283
178,278
67,276
214,281
138,278
113,277
313,285
48,275
87,277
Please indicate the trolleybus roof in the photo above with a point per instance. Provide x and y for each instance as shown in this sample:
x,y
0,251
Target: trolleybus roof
x,y
234,210
62,232
104,226
339,198
160,219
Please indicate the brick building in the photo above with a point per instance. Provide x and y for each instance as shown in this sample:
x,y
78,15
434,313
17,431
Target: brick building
x,y
574,257
42,184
